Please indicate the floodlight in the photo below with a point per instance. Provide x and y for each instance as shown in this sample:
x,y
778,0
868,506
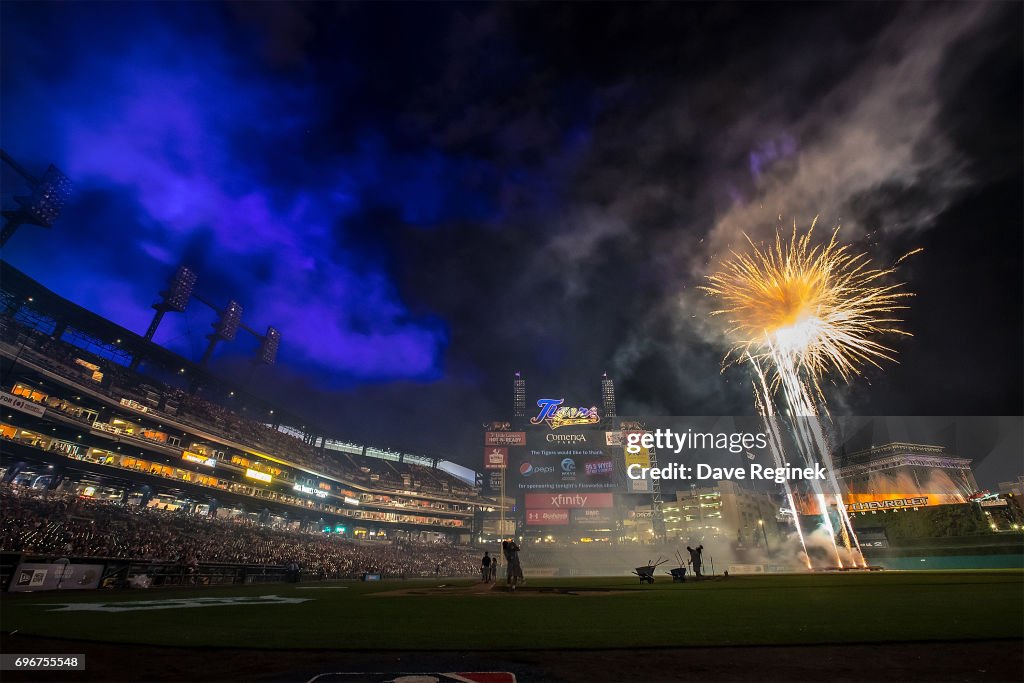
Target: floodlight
x,y
268,347
48,198
230,319
180,290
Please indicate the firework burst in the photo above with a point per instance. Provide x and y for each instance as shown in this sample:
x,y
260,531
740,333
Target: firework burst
x,y
798,311
817,307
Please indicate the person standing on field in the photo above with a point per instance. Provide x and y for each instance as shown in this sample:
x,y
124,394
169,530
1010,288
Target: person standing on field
x,y
513,569
485,567
695,559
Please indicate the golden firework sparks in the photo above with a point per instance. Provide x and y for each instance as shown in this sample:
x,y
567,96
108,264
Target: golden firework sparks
x,y
798,310
812,307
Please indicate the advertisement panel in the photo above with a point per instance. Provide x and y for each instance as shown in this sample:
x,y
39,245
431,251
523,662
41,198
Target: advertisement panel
x,y
197,458
495,458
567,501
590,516
641,458
134,405
863,503
547,517
20,404
258,476
65,447
564,460
867,502
36,576
504,438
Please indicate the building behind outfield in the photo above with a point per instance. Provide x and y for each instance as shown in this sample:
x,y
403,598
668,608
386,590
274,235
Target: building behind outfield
x,y
898,475
726,510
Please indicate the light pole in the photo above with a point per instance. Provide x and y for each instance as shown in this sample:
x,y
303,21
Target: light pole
x,y
49,194
760,523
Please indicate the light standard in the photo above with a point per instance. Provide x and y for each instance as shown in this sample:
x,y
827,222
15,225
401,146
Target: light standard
x,y
49,194
764,534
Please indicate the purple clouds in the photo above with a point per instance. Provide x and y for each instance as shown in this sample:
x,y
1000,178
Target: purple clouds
x,y
180,138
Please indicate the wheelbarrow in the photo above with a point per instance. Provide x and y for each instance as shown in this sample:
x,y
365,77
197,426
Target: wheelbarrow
x,y
646,573
678,574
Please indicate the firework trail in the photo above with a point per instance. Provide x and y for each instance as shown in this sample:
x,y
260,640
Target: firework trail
x,y
798,312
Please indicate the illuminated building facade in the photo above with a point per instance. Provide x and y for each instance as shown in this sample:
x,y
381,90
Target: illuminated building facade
x,y
725,510
885,475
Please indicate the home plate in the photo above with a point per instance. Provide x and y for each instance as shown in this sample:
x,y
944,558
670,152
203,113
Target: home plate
x,y
410,677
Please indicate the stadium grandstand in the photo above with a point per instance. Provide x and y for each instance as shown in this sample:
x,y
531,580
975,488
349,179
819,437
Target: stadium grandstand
x,y
98,415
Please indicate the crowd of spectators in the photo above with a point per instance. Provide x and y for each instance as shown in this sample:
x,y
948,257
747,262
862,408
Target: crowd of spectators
x,y
48,523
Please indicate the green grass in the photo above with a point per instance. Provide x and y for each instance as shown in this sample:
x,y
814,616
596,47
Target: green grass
x,y
755,610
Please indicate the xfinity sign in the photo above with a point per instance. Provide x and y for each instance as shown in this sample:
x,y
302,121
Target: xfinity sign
x,y
566,501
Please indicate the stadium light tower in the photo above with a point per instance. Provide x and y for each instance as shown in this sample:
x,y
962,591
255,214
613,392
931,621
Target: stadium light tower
x,y
268,346
42,207
175,298
224,329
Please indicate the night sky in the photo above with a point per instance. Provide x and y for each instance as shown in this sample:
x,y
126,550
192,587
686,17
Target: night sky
x,y
426,198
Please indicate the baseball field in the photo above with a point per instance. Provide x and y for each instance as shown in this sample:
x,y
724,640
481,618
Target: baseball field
x,y
558,615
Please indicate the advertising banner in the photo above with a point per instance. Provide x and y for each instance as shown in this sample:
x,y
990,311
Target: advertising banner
x,y
854,502
258,476
590,516
547,517
20,404
568,501
197,458
34,576
134,405
504,438
495,457
595,467
641,458
564,460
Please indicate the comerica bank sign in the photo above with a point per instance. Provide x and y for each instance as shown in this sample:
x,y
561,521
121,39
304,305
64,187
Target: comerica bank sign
x,y
556,415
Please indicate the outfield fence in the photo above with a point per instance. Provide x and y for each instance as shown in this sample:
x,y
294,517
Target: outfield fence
x,y
23,571
32,572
